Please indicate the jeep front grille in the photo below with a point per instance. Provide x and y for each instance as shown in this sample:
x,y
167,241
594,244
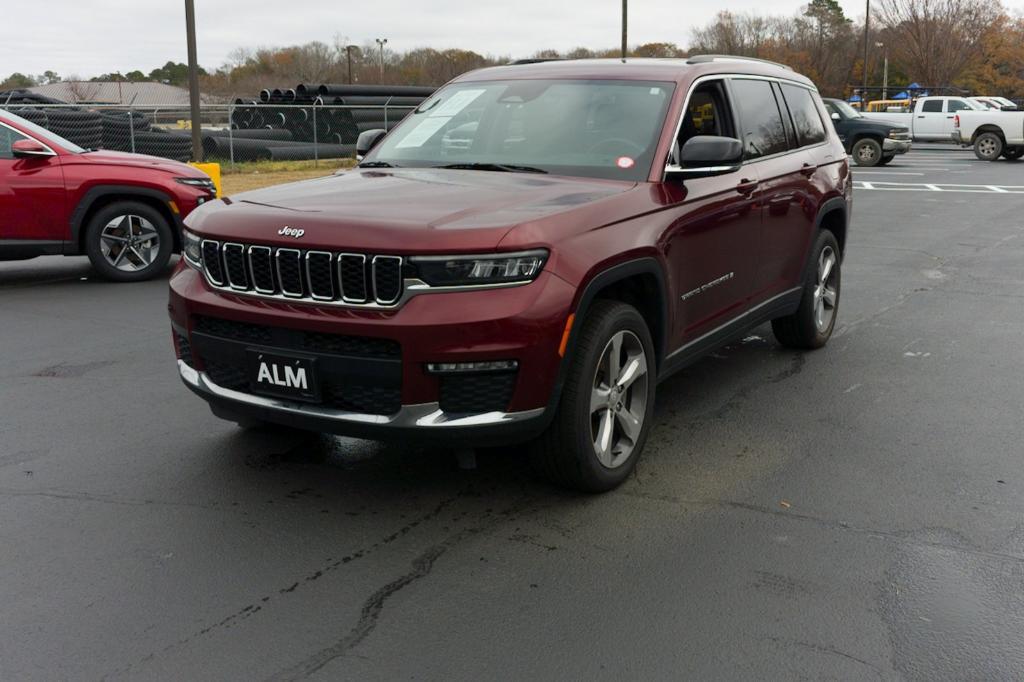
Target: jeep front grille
x,y
310,275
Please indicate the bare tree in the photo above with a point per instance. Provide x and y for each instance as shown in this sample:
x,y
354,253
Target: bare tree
x,y
936,40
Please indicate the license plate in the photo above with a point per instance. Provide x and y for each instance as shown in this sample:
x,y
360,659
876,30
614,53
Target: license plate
x,y
283,376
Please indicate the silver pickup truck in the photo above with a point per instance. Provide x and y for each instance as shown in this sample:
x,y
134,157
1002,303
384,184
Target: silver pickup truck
x,y
991,133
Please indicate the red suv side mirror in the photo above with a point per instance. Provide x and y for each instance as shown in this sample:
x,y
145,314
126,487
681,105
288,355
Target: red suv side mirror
x,y
25,149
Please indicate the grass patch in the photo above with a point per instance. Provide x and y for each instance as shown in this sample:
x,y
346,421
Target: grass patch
x,y
242,168
258,174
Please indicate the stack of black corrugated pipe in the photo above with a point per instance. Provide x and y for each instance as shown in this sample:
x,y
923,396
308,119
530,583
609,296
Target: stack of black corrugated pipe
x,y
284,124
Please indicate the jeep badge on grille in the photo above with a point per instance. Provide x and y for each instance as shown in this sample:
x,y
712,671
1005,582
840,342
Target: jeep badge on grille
x,y
291,232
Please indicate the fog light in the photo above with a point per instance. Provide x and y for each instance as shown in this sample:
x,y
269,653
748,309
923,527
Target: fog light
x,y
459,367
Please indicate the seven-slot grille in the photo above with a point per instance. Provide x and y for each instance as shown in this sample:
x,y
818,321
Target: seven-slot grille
x,y
311,275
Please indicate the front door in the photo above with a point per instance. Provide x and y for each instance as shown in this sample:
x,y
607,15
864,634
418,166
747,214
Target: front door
x,y
930,120
714,227
31,194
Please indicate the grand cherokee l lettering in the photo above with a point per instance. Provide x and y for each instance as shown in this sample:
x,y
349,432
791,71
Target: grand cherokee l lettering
x,y
524,258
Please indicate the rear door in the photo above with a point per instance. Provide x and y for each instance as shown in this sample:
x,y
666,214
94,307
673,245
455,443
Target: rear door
x,y
930,120
31,194
953,106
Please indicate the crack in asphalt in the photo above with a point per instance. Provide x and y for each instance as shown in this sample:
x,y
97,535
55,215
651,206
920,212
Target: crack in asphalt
x,y
899,537
373,606
827,650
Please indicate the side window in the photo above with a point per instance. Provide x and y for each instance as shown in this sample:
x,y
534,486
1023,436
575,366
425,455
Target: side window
x,y
956,105
707,113
7,138
809,128
932,106
760,120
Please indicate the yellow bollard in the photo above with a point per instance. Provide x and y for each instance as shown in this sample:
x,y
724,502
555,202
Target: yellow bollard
x,y
213,170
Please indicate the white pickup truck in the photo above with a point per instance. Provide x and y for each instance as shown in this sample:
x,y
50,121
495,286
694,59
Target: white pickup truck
x,y
991,133
932,118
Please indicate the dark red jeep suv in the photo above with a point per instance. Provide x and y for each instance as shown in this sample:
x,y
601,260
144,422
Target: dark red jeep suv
x,y
122,210
523,259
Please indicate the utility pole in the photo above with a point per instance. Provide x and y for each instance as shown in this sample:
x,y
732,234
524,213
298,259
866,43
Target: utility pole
x,y
867,23
193,81
382,42
348,55
885,70
625,17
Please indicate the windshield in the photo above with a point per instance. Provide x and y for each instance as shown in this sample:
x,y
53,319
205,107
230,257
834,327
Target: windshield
x,y
845,109
589,128
42,133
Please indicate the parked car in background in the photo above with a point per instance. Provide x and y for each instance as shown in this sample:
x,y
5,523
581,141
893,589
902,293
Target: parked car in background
x,y
931,118
870,142
992,134
123,211
523,259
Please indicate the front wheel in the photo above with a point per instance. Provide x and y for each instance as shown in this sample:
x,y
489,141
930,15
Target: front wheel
x,y
128,241
605,410
867,152
988,146
812,324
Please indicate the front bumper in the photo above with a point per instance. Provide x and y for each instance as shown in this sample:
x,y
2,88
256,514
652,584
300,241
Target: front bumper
x,y
524,324
896,146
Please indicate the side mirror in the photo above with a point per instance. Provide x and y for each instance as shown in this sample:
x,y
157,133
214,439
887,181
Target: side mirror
x,y
368,140
27,149
836,116
707,155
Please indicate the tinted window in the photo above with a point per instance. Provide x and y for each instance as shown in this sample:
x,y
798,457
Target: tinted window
x,y
7,138
957,105
760,121
932,106
809,129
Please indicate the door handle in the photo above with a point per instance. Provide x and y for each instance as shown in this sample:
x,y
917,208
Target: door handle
x,y
807,170
920,116
949,117
746,187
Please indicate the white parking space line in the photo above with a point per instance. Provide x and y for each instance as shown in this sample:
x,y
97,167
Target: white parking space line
x,y
857,171
937,187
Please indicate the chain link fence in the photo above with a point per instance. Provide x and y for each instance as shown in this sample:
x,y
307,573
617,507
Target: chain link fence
x,y
231,133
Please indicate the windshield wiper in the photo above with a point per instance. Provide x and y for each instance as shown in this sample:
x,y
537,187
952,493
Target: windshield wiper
x,y
503,167
377,164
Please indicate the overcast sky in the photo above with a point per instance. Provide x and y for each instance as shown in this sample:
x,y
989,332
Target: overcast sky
x,y
90,37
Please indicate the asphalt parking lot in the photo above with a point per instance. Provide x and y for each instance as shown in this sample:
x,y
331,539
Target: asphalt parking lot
x,y
852,513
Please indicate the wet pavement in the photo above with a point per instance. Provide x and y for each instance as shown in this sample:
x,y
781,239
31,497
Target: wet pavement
x,y
853,513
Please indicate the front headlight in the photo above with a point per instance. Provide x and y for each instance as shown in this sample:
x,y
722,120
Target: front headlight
x,y
192,249
201,183
505,268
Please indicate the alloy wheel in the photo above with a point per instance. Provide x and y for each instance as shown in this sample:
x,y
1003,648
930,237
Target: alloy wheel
x,y
618,399
866,153
987,147
825,294
130,243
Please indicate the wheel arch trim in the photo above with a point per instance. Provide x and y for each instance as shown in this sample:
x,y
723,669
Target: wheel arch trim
x,y
126,192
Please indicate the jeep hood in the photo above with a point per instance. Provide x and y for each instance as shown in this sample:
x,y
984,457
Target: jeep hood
x,y
400,210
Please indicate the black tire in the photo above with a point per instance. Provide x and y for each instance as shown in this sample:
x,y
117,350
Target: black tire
x,y
867,152
988,146
886,159
1013,153
565,454
160,254
801,329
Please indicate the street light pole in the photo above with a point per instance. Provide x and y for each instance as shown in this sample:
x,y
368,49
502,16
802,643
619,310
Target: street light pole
x,y
885,70
867,24
625,21
382,42
193,81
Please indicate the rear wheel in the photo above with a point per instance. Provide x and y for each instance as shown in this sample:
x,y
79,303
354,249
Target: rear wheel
x,y
867,152
812,324
605,410
988,146
128,241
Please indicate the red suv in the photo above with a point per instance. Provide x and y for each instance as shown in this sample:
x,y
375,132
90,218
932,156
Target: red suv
x,y
122,210
523,259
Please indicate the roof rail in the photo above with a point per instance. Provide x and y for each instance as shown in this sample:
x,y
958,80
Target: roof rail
x,y
536,60
706,58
